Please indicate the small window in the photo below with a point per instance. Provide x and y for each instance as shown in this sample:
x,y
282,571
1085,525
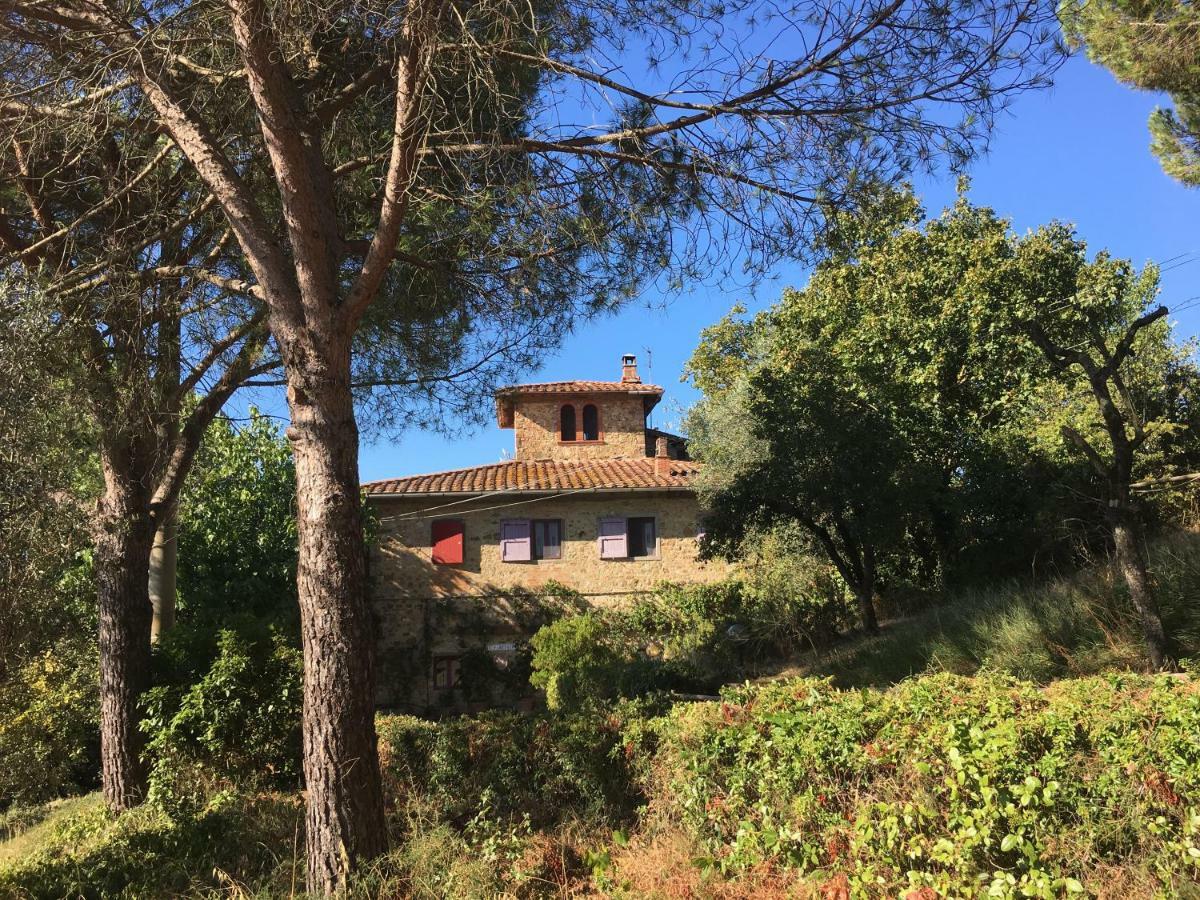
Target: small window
x,y
446,538
631,538
522,540
567,423
446,670
591,423
642,536
547,539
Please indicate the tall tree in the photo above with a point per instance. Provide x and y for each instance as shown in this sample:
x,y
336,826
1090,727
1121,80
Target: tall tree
x,y
1090,321
1153,45
886,400
361,149
899,326
110,286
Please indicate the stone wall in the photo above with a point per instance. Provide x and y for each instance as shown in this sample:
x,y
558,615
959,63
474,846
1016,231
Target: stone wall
x,y
423,610
622,427
401,561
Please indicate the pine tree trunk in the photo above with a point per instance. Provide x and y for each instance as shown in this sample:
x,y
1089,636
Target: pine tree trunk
x,y
1127,545
122,559
164,565
345,818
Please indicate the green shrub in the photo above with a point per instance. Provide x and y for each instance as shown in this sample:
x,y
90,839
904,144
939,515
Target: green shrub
x,y
237,724
508,767
586,658
49,724
985,786
684,638
790,599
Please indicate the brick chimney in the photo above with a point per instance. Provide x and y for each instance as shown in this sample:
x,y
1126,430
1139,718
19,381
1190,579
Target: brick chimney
x,y
662,459
629,373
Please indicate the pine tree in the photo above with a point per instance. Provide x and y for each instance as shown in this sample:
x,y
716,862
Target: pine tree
x,y
1153,45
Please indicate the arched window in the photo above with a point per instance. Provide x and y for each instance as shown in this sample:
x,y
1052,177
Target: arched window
x,y
591,423
566,430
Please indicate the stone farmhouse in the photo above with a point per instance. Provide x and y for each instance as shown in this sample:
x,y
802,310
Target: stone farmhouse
x,y
594,499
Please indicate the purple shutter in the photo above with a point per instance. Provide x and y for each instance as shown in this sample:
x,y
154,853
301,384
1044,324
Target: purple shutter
x,y
515,545
613,543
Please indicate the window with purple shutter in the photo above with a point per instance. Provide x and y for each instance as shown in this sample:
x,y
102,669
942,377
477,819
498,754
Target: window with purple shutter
x,y
613,543
643,536
515,545
547,539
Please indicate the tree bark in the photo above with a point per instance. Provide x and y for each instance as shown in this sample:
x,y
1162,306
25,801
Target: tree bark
x,y
1127,546
864,592
164,565
345,817
122,559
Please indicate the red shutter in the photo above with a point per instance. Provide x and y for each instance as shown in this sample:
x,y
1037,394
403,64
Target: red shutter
x,y
447,540
613,544
515,545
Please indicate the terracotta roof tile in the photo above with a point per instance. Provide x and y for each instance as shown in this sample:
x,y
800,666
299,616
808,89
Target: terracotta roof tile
x,y
577,387
545,475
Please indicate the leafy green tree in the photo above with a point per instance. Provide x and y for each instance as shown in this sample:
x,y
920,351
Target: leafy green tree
x,y
789,444
1153,45
237,528
1105,336
48,668
48,477
894,403
899,366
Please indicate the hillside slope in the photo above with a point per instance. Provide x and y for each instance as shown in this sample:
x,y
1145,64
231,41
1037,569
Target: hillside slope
x,y
1077,624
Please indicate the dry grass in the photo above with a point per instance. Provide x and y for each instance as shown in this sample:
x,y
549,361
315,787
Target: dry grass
x,y
26,839
663,866
1068,627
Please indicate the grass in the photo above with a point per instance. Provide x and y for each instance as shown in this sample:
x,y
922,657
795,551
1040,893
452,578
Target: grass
x,y
26,828
1072,626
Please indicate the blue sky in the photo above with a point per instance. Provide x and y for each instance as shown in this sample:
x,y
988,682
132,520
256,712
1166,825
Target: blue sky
x,y
1078,152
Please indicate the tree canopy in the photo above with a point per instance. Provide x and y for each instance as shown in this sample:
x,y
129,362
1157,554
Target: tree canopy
x,y
898,409
1153,45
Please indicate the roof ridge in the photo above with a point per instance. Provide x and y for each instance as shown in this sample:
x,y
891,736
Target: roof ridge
x,y
554,474
510,462
628,385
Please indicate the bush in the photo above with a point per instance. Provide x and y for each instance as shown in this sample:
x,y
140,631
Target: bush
x,y
49,724
960,786
238,723
687,638
505,767
790,599
585,658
